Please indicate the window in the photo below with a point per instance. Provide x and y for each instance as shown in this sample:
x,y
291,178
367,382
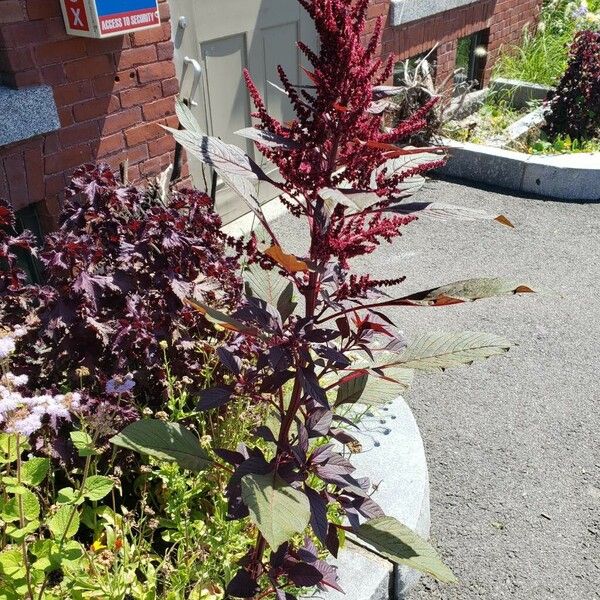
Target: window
x,y
413,61
471,56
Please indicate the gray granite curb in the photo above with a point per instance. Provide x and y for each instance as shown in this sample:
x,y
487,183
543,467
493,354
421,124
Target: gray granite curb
x,y
563,176
393,457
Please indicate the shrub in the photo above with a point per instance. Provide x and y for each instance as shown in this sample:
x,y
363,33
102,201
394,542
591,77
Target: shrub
x,y
316,331
575,105
117,275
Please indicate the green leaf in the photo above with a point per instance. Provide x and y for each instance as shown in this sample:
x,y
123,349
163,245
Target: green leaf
x,y
439,351
83,442
401,545
97,486
468,290
8,447
166,441
62,524
277,509
68,495
31,507
34,471
20,533
11,564
372,389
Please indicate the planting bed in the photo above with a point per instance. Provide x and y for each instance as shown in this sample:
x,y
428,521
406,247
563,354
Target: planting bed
x,y
496,158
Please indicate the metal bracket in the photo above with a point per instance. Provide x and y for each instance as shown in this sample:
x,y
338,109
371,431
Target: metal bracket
x,y
187,61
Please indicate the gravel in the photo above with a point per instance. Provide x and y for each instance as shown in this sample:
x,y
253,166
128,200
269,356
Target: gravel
x,y
513,442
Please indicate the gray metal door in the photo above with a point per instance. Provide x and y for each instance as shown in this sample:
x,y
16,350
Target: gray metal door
x,y
226,36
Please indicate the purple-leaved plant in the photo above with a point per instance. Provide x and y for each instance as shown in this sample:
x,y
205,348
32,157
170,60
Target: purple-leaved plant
x,y
315,332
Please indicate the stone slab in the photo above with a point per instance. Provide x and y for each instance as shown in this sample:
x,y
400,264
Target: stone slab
x,y
406,11
26,113
519,93
563,177
393,457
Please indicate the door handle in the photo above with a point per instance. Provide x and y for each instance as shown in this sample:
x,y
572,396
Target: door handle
x,y
187,61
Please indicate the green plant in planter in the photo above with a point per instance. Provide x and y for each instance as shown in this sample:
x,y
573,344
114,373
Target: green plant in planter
x,y
310,335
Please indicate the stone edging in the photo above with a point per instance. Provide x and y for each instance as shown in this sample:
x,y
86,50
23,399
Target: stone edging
x,y
393,458
561,176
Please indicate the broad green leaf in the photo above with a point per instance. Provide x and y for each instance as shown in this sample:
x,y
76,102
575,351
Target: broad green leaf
x,y
31,507
11,564
277,509
186,117
68,495
166,441
18,534
266,138
401,545
34,471
468,290
97,486
65,523
439,351
83,442
8,447
374,389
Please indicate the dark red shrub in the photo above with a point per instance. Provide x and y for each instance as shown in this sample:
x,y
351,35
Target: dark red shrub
x,y
575,106
117,274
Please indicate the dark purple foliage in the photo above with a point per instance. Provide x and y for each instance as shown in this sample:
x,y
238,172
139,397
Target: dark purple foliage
x,y
118,274
575,105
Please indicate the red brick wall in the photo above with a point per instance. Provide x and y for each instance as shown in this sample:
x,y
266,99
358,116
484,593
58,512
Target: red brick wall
x,y
505,19
111,96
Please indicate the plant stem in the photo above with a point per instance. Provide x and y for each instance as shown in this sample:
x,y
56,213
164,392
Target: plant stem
x,y
22,523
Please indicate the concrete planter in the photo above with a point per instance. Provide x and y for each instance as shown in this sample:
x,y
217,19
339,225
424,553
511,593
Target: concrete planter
x,y
394,457
562,176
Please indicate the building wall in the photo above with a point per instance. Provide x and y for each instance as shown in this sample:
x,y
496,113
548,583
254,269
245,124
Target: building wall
x,y
505,20
111,97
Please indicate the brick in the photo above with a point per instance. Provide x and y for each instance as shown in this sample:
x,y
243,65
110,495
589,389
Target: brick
x,y
55,184
170,87
162,145
43,9
121,120
11,11
59,52
89,67
65,116
159,109
73,92
142,133
22,34
110,144
152,36
53,75
97,107
26,78
136,56
68,159
165,51
159,70
107,45
34,164
78,134
111,84
17,180
141,95
150,167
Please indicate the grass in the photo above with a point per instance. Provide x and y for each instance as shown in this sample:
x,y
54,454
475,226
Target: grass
x,y
543,54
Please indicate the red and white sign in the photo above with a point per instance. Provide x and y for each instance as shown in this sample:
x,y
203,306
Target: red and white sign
x,y
76,14
106,18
